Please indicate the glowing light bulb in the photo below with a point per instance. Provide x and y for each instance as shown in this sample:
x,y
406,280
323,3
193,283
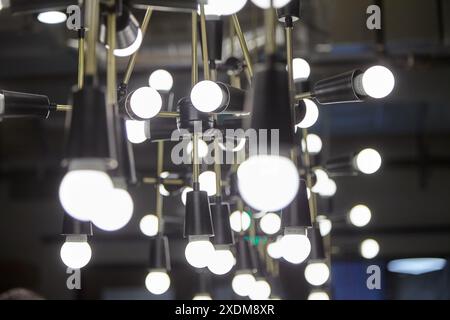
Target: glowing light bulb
x,y
270,223
184,194
199,252
369,248
52,17
378,82
202,296
230,145
296,248
207,96
222,262
311,115
318,295
329,189
317,273
243,283
161,80
325,225
203,148
207,180
125,52
360,215
145,102
149,225
301,69
135,131
260,290
268,182
321,181
223,8
240,221
368,161
265,4
275,249
76,252
313,142
157,282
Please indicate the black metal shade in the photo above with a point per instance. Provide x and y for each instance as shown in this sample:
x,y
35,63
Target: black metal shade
x,y
190,116
126,32
126,166
197,221
234,98
159,257
337,89
244,259
220,213
214,37
317,247
72,226
290,11
18,104
160,129
298,214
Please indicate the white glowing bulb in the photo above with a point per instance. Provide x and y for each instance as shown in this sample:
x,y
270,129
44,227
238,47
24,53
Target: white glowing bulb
x,y
222,261
157,282
270,223
125,52
116,212
268,182
223,8
317,273
240,221
161,80
329,189
265,4
318,295
202,296
184,194
207,96
296,248
76,252
368,161
260,290
135,131
149,225
313,142
311,115
198,253
207,180
321,181
52,17
325,225
301,69
230,145
369,248
202,148
145,102
274,249
360,215
378,82
163,190
243,283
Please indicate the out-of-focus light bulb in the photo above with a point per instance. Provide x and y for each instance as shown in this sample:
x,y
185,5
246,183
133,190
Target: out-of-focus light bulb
x,y
240,221
202,296
202,148
161,80
360,215
157,282
222,262
260,290
378,82
321,181
265,4
301,69
311,115
117,211
318,295
243,283
369,248
199,252
275,249
125,52
313,142
145,102
207,180
207,96
329,189
184,194
51,17
270,223
296,248
135,131
325,225
163,190
368,161
223,8
76,252
317,273
268,182
149,225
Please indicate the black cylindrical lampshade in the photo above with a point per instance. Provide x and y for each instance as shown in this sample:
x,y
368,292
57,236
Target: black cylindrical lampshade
x,y
317,247
127,29
244,260
18,104
342,164
197,221
126,167
235,98
298,214
292,10
159,257
160,129
337,89
73,226
220,213
214,35
189,116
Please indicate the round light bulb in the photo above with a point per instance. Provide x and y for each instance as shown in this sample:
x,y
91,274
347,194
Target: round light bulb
x,y
240,221
145,102
203,148
311,115
318,295
270,223
368,161
325,225
329,189
369,248
117,211
135,131
202,296
223,8
317,273
243,283
231,147
125,52
260,290
206,96
157,282
222,262
198,253
313,142
268,182
378,82
275,249
207,180
360,215
76,254
296,248
52,17
163,190
149,225
321,181
265,4
161,80
184,194
301,69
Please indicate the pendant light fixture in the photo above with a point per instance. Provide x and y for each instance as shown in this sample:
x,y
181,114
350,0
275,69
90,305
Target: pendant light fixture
x,y
158,280
317,271
244,278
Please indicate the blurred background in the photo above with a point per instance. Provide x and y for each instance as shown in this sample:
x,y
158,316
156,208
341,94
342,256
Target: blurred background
x,y
408,196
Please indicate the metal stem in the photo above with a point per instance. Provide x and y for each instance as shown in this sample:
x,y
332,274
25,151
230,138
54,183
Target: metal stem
x,y
244,47
269,19
92,18
206,72
217,167
305,95
81,34
195,159
111,75
159,197
194,73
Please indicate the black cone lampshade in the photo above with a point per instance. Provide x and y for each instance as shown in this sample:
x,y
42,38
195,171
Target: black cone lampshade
x,y
159,257
220,212
18,105
197,221
72,226
160,129
244,259
291,10
317,247
298,214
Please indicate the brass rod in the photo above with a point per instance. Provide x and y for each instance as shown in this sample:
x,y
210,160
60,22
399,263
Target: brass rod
x,y
206,72
111,76
194,72
168,114
290,69
305,95
132,61
307,163
217,167
63,107
243,43
195,158
81,58
169,182
270,24
92,18
159,196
